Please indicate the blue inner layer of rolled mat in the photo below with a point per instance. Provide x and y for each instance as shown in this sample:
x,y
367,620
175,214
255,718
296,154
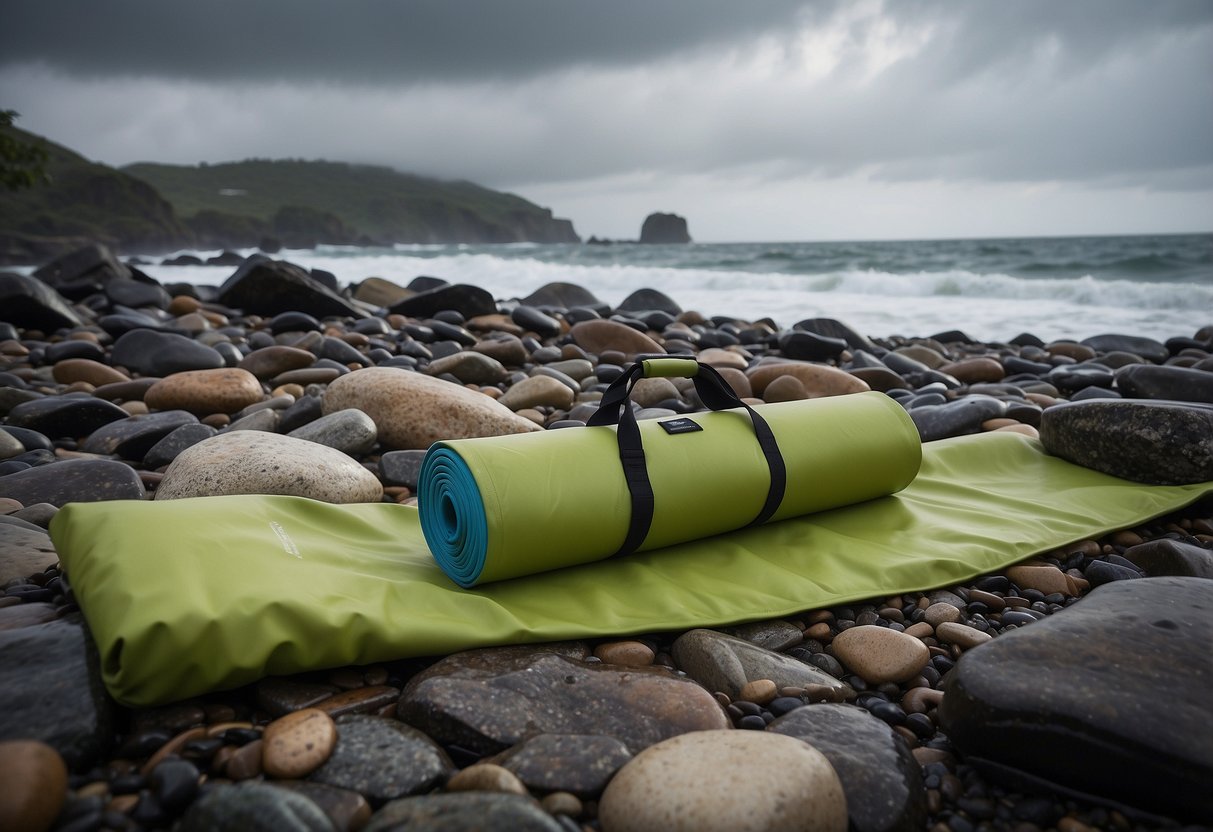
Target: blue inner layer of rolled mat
x,y
458,533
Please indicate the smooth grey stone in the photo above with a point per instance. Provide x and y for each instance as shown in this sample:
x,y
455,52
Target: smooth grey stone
x,y
880,777
253,807
1101,572
71,415
464,812
262,286
564,296
1147,348
38,514
24,549
151,353
306,409
264,420
31,440
488,700
1088,393
334,349
470,367
645,300
809,346
582,764
469,301
776,635
132,437
1117,359
136,294
73,349
551,372
83,271
831,328
1071,378
51,690
723,663
401,467
349,430
10,445
534,320
1109,697
31,304
74,480
1172,557
294,321
10,397
1181,384
1163,443
575,368
383,759
168,448
1014,364
957,418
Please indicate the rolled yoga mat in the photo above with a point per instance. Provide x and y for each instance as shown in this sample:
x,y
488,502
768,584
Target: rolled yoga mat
x,y
507,506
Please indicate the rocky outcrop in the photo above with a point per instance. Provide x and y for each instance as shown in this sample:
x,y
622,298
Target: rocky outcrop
x,y
664,229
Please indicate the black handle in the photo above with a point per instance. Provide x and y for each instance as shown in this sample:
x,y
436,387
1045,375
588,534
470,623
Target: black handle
x,y
716,394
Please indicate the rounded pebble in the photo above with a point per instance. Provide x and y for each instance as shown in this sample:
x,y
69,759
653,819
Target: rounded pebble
x,y
297,744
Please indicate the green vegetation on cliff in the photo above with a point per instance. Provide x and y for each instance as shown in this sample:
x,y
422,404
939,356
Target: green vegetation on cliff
x,y
335,202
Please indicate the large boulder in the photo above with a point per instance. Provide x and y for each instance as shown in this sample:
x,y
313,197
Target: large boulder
x,y
31,304
262,286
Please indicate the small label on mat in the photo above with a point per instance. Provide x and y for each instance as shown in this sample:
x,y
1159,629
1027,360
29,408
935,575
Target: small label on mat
x,y
683,425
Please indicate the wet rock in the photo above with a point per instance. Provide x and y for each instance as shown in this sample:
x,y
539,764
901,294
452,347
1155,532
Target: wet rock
x,y
350,431
582,764
1059,701
132,437
881,779
31,304
411,410
83,271
295,745
723,663
1071,378
564,296
382,759
72,415
470,367
688,783
23,550
1147,348
151,353
171,446
1180,384
488,700
598,336
646,300
958,418
831,328
800,345
90,371
73,480
347,810
468,301
772,635
254,462
1172,557
534,320
464,812
878,654
1164,443
50,690
401,467
262,286
254,807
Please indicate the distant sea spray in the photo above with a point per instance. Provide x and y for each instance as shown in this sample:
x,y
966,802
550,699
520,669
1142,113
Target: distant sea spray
x,y
1157,286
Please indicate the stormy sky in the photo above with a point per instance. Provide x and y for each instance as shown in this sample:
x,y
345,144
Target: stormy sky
x,y
756,120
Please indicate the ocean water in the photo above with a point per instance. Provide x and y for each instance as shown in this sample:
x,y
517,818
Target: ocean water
x,y
1072,287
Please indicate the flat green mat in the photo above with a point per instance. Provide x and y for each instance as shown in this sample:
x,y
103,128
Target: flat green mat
x,y
189,596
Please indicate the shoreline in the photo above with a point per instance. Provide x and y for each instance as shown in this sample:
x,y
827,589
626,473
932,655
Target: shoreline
x,y
99,391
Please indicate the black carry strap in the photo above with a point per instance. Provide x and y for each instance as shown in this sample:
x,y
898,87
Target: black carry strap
x,y
616,409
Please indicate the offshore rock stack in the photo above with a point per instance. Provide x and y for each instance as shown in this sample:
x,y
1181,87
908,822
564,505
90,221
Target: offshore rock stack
x,y
987,705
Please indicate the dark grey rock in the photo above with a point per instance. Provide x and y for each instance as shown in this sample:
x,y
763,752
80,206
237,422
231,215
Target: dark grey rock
x,y
464,812
151,353
1100,572
1109,697
1163,443
664,229
772,635
1071,378
24,550
83,272
533,320
383,759
1014,364
253,807
1172,557
73,349
488,700
957,418
31,440
306,409
31,304
347,810
137,293
809,346
1147,348
401,467
74,415
565,296
73,480
723,663
337,350
647,300
1181,384
880,777
579,763
51,690
294,322
350,431
263,286
132,437
831,328
468,301
185,436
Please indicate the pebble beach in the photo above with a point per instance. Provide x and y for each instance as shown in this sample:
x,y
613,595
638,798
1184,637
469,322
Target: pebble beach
x,y
1067,692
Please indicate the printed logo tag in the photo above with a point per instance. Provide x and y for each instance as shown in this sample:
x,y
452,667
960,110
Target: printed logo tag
x,y
683,425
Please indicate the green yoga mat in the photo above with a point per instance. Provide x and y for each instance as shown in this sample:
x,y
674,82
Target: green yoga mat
x,y
189,596
506,506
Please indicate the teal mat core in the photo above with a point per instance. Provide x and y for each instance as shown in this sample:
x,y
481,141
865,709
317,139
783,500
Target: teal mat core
x,y
452,515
